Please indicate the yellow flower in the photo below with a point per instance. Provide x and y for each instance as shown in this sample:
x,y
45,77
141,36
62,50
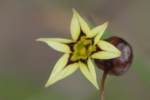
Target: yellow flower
x,y
86,45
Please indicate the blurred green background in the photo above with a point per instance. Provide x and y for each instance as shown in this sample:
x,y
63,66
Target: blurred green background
x,y
25,64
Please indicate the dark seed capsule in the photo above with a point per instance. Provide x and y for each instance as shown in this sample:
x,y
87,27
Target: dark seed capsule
x,y
119,65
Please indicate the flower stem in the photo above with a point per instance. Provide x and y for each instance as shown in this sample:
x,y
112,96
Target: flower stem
x,y
102,85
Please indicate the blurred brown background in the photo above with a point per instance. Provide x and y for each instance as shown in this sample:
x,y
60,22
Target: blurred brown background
x,y
25,64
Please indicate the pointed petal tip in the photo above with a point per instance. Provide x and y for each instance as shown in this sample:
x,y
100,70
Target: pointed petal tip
x,y
106,24
38,40
47,85
97,87
119,53
74,10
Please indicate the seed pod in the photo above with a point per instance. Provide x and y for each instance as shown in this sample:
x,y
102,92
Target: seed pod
x,y
120,65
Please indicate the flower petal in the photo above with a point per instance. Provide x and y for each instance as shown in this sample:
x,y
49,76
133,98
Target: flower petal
x,y
92,68
68,70
105,55
84,26
75,27
61,63
106,46
56,44
61,40
88,74
99,31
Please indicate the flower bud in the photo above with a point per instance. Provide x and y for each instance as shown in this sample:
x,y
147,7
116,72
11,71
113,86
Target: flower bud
x,y
120,65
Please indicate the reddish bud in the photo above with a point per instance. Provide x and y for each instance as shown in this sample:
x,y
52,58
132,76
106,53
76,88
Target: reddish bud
x,y
120,65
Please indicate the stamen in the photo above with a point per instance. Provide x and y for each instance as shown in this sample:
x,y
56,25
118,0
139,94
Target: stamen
x,y
82,49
